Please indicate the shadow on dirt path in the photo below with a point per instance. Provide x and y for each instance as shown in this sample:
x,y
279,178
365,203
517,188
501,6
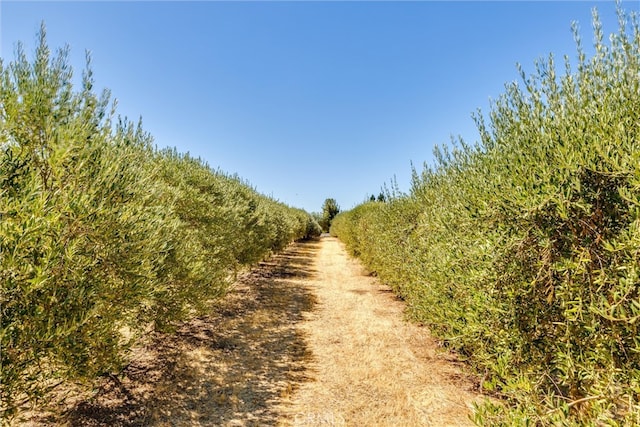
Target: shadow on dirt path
x,y
227,369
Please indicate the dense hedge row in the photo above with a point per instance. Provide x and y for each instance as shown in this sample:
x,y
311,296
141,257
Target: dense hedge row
x,y
523,252
103,236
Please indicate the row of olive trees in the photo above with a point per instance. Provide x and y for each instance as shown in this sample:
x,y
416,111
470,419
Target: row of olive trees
x,y
102,236
522,253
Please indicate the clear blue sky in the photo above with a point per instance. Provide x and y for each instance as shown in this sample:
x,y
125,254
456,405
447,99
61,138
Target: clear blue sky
x,y
306,100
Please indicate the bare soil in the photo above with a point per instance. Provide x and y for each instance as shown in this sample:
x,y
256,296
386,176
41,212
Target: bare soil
x,y
306,338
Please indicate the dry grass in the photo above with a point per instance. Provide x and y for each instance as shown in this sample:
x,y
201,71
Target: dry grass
x,y
228,369
371,367
307,338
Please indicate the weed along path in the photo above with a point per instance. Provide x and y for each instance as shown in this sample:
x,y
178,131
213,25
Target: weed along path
x,y
306,338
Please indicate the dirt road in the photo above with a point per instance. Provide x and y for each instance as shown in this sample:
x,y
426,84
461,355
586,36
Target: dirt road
x,y
305,339
371,367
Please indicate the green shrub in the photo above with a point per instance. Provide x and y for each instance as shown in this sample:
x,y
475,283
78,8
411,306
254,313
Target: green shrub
x,y
521,252
81,243
102,236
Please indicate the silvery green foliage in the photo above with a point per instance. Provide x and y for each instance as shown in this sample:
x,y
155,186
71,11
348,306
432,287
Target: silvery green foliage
x,y
522,252
103,237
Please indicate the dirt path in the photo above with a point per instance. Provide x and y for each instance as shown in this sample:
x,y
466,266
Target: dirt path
x,y
371,367
306,338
